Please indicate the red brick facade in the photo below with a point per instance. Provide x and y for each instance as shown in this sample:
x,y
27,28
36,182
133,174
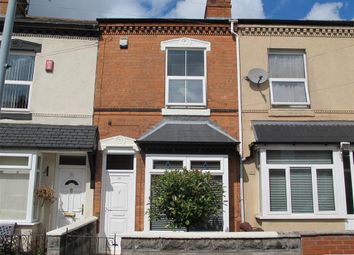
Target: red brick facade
x,y
327,244
218,9
130,90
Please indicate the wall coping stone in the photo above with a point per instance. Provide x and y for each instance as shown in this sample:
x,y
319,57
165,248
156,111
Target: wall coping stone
x,y
203,235
69,228
327,233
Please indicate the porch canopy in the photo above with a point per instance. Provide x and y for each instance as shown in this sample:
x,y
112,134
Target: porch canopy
x,y
186,135
52,138
303,132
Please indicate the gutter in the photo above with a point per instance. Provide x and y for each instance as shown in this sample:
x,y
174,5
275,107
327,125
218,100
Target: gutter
x,y
239,94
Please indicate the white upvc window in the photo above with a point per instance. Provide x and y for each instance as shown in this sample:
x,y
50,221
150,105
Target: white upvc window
x,y
301,182
216,165
186,72
17,183
18,81
288,78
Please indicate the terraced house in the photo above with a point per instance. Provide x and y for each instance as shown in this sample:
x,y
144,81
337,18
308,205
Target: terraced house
x,y
166,98
298,125
47,140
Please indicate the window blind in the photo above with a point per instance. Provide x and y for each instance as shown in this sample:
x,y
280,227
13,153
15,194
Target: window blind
x,y
325,190
286,65
301,190
277,187
299,157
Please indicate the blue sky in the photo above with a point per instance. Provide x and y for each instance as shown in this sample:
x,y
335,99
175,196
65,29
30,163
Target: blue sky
x,y
260,9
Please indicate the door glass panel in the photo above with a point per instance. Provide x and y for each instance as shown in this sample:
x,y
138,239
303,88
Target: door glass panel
x,y
120,162
72,160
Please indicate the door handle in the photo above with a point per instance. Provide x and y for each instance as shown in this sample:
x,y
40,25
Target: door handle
x,y
82,209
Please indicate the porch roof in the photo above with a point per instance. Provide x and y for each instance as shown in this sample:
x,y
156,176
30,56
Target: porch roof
x,y
186,130
306,132
50,137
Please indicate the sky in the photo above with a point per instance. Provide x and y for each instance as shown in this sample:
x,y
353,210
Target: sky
x,y
194,9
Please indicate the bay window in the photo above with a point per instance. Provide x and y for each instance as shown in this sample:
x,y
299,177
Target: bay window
x,y
17,181
301,183
217,166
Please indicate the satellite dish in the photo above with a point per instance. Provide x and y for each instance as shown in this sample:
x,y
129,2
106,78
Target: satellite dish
x,y
257,76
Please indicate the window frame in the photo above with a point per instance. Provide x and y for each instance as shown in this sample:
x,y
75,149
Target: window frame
x,y
31,170
186,44
168,78
19,82
304,80
338,181
149,171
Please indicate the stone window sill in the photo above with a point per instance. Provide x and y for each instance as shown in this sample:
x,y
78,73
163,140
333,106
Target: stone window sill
x,y
185,112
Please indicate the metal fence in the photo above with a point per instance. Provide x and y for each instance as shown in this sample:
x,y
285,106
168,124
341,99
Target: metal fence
x,y
32,244
92,245
35,244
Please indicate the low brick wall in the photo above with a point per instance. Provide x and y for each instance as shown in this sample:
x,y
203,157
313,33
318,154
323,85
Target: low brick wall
x,y
213,243
327,243
75,239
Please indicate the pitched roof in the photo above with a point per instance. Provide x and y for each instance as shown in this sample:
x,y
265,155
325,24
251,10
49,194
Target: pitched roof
x,y
186,130
37,136
303,131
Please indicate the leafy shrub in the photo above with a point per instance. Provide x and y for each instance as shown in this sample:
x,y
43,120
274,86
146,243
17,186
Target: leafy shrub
x,y
187,198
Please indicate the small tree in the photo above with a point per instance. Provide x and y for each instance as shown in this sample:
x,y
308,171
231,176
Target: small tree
x,y
187,198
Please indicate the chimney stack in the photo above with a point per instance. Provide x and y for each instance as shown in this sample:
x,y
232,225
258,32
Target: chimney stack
x,y
218,9
21,9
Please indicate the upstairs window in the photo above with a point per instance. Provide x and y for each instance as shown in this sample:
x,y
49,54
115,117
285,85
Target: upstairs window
x,y
185,72
18,81
288,78
185,77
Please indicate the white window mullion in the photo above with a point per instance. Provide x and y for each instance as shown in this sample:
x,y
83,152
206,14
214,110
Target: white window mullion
x,y
288,189
31,185
314,190
225,180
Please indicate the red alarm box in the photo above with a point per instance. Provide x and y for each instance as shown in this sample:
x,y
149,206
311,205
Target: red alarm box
x,y
49,65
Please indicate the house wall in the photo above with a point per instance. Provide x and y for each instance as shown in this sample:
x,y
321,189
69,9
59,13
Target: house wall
x,y
130,91
66,95
330,66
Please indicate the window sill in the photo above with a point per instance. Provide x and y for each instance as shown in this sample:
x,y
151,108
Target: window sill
x,y
291,113
186,112
16,115
301,217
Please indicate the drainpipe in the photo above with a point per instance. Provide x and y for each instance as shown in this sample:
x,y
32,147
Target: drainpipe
x,y
239,92
5,43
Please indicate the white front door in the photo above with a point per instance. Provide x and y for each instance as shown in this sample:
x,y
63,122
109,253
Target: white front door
x,y
119,203
70,195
